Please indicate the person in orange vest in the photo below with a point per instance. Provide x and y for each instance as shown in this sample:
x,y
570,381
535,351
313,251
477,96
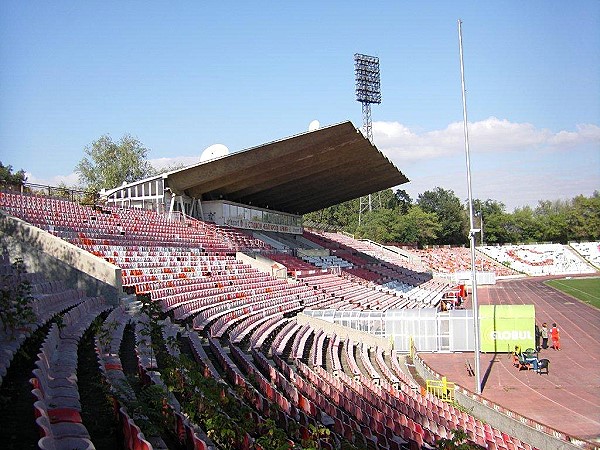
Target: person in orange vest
x,y
555,335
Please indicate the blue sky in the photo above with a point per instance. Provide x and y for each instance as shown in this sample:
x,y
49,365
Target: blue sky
x,y
181,76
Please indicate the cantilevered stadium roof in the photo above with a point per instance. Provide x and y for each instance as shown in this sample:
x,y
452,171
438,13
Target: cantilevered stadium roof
x,y
300,174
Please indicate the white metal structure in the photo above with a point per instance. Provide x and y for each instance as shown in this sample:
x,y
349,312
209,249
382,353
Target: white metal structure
x,y
472,230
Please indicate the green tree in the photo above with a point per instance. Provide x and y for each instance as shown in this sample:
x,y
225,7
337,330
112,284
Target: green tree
x,y
343,216
379,225
63,191
524,226
450,213
496,228
552,220
418,227
109,164
441,219
8,178
584,218
403,201
385,199
488,207
488,214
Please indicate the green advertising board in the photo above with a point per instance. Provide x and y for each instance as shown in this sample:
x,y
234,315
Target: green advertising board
x,y
504,326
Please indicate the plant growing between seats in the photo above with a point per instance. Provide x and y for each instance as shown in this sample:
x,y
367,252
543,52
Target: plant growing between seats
x,y
458,441
220,410
15,299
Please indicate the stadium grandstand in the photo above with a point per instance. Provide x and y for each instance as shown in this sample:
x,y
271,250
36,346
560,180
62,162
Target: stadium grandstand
x,y
302,331
544,259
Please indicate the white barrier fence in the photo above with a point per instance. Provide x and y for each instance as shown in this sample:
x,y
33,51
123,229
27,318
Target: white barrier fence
x,y
431,330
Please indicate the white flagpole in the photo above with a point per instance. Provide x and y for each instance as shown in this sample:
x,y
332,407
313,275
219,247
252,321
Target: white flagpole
x,y
472,230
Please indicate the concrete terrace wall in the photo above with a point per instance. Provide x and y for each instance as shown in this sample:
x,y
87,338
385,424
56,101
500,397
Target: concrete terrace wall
x,y
263,264
58,259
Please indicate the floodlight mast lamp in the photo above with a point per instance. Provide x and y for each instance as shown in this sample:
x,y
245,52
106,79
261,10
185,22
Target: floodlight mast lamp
x,y
368,88
368,91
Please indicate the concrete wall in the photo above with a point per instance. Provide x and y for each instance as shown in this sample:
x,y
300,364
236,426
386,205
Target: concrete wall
x,y
524,429
58,259
264,264
313,252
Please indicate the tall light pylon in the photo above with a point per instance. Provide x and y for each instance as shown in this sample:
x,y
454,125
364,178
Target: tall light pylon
x,y
368,91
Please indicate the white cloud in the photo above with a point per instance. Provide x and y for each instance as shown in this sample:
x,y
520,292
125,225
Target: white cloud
x,y
161,163
71,180
398,142
584,134
514,163
401,144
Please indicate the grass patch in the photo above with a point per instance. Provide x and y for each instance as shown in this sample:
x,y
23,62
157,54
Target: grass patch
x,y
585,289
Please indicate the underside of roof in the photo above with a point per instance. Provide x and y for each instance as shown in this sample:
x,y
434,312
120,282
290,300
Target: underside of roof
x,y
301,174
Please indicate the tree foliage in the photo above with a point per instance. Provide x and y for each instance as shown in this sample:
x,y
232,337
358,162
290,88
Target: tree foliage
x,y
437,217
552,220
583,219
403,201
451,215
458,441
109,164
8,178
343,216
418,227
380,225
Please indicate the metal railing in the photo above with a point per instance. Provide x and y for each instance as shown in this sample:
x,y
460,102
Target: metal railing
x,y
60,192
442,389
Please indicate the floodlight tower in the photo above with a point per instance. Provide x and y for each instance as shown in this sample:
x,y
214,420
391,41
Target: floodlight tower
x,y
368,91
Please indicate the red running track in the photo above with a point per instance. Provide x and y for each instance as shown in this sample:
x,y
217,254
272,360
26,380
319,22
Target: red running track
x,y
568,398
